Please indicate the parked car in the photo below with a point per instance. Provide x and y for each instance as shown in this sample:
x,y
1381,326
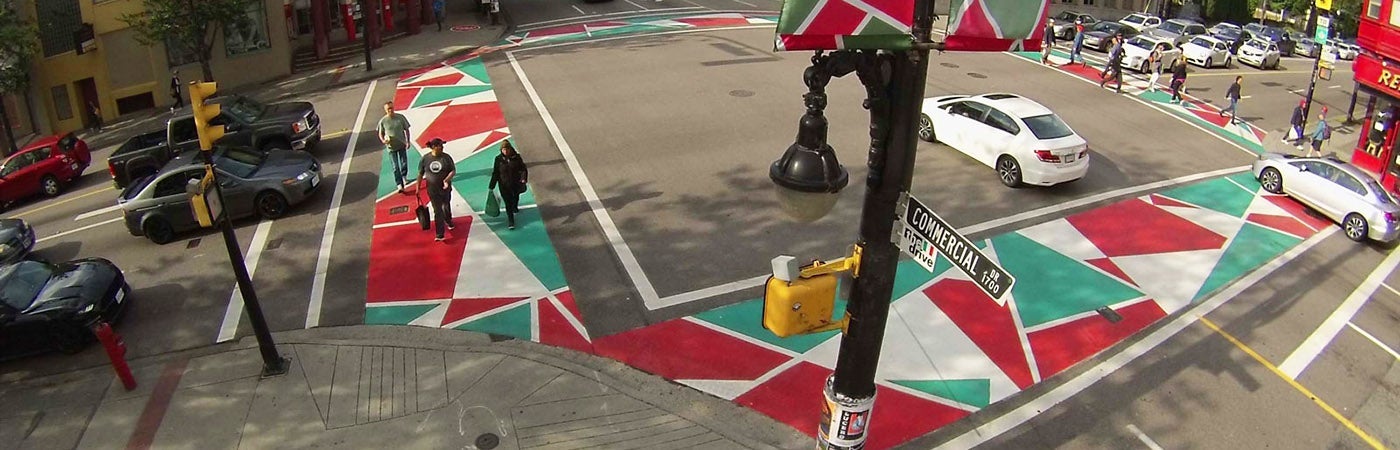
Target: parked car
x,y
1178,31
16,240
1276,35
43,168
1303,45
1336,189
1232,36
253,182
140,155
1097,37
248,123
1260,53
1223,27
1141,22
47,306
1206,51
1063,23
1137,49
1022,140
1344,50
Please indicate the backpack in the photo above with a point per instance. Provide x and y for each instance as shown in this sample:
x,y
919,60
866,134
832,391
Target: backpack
x,y
1326,131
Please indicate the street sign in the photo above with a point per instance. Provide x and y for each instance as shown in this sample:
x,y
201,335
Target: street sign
x,y
1323,23
924,232
1325,5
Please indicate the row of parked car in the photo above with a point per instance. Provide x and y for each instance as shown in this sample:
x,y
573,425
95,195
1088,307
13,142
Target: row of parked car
x,y
1258,45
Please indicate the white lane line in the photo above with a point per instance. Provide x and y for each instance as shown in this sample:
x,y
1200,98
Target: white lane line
x,y
95,213
1373,339
580,11
323,259
1391,289
395,224
84,228
630,2
1323,335
711,291
535,25
742,2
1112,364
1335,86
1143,437
234,313
610,231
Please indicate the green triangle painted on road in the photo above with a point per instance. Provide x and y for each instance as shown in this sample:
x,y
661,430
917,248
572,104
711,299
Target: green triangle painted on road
x,y
1051,286
1218,194
909,275
1247,181
474,68
1251,247
746,318
434,94
386,171
514,322
395,315
1161,95
529,240
626,30
972,392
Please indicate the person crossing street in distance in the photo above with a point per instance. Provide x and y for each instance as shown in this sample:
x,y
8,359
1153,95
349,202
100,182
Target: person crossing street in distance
x,y
1320,134
1233,95
1078,44
393,132
1114,69
1048,44
437,169
510,173
1178,78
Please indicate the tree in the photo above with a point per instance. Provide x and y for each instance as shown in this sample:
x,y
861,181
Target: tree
x,y
192,24
19,41
1234,11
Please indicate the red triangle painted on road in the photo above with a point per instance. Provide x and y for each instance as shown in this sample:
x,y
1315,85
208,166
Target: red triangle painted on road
x,y
1154,230
461,308
1285,224
491,139
445,80
1107,265
556,330
1167,201
403,97
567,298
1300,212
986,323
459,121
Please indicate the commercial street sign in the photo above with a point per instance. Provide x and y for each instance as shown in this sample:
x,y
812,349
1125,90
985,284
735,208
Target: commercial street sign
x,y
1323,22
924,232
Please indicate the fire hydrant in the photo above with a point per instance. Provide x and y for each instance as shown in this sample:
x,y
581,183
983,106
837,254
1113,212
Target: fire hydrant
x,y
116,352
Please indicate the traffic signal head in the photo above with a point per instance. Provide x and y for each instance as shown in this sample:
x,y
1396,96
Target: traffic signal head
x,y
204,114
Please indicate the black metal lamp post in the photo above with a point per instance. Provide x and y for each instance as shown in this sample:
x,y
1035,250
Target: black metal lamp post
x,y
894,83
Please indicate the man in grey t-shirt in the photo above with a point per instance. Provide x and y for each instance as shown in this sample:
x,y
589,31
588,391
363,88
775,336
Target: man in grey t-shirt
x,y
393,132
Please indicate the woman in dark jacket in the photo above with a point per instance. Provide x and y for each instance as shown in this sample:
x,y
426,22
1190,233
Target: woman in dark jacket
x,y
510,172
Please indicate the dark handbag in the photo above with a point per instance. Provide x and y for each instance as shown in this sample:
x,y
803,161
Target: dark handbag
x,y
422,210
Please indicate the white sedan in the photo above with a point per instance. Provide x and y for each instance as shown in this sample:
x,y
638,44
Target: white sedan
x,y
1137,49
1022,140
1260,53
1206,51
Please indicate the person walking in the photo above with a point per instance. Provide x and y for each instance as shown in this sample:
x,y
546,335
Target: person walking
x,y
96,116
1048,44
1233,95
175,91
437,169
439,12
510,173
393,132
1297,126
1178,78
1320,134
1154,64
1114,70
1078,45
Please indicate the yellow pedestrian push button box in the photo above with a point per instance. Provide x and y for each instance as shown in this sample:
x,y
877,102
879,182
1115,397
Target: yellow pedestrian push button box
x,y
802,300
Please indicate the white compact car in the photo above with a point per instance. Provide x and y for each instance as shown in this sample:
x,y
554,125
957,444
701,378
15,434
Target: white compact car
x,y
1206,51
1022,140
1141,22
1260,53
1136,50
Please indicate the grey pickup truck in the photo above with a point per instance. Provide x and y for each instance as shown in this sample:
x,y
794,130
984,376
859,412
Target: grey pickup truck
x,y
247,123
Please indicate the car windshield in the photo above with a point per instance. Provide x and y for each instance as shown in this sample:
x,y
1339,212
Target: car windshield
x,y
1257,45
1173,27
1228,33
1136,19
1107,27
136,186
1066,16
20,283
1202,42
244,108
239,162
1048,126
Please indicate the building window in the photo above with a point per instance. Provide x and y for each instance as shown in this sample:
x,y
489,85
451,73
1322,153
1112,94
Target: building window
x,y
179,54
61,105
1394,12
1088,2
1373,9
58,20
250,36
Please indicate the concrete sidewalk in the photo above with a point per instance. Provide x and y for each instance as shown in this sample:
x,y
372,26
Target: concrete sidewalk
x,y
379,387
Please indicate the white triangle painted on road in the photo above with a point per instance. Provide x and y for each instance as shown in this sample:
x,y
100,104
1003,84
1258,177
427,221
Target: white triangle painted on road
x,y
487,96
1172,279
1059,235
1215,221
1262,205
432,318
489,269
954,355
725,389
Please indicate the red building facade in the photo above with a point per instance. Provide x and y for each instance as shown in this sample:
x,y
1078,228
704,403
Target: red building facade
x,y
1377,73
328,22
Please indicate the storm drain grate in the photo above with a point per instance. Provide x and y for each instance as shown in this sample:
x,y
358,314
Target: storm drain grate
x,y
1109,313
192,244
398,210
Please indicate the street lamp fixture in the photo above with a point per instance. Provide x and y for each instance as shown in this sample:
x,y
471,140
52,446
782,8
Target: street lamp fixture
x,y
808,177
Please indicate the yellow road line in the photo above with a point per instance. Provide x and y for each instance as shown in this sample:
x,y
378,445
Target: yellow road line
x,y
335,134
1272,368
1231,74
60,202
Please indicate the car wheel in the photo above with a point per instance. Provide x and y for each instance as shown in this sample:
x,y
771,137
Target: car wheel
x,y
1355,227
71,339
1145,69
274,145
926,129
270,205
49,184
1210,62
1009,171
1271,180
158,230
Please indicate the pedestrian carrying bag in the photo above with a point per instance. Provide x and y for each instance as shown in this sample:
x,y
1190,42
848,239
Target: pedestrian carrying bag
x,y
493,206
422,210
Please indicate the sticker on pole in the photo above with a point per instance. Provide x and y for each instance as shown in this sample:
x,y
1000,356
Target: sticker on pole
x,y
924,232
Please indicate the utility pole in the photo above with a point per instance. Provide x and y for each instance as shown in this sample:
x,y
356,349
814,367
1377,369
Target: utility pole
x,y
1314,16
368,14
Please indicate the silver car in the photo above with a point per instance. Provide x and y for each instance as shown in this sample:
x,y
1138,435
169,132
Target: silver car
x,y
252,181
1335,188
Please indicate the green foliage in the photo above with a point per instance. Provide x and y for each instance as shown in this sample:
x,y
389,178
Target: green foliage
x,y
1234,11
193,24
1344,14
19,41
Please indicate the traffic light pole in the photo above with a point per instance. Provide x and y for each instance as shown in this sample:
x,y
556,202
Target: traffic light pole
x,y
895,91
1312,82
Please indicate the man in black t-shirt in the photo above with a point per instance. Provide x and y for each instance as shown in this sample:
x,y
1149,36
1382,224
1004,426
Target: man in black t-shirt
x,y
437,169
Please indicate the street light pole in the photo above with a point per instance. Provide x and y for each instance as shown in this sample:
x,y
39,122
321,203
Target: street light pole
x,y
1312,82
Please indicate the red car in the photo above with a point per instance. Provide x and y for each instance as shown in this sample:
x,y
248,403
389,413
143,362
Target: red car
x,y
44,166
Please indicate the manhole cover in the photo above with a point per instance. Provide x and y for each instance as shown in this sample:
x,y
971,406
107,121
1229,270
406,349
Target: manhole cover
x,y
487,441
193,243
976,75
740,93
465,28
949,65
